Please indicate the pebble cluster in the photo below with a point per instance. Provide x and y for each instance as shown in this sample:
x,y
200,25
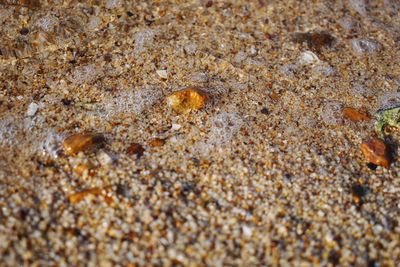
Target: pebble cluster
x,y
198,133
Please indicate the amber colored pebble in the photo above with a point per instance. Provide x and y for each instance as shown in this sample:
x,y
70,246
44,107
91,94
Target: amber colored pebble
x,y
156,142
76,143
275,96
375,152
315,40
355,114
108,199
77,197
187,99
81,168
135,149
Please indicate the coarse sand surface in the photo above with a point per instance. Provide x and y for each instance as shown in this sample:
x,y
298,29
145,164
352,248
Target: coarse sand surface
x,y
97,169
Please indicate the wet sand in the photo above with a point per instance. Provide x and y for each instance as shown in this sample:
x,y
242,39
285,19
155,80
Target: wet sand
x,y
268,173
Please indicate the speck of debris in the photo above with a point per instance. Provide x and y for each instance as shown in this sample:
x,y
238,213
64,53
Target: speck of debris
x,y
24,31
265,111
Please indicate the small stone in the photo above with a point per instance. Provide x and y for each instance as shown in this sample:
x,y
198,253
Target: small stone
x,y
275,96
135,149
265,111
187,99
156,142
66,102
314,40
163,74
24,31
175,127
32,109
76,143
247,230
83,169
355,115
308,57
253,50
375,151
78,197
104,158
107,57
371,166
365,46
358,191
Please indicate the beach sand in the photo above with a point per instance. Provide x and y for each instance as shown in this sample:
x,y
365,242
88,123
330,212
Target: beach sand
x,y
268,172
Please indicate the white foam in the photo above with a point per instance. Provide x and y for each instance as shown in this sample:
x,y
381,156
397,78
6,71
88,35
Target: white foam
x,y
51,143
200,77
134,102
142,40
347,23
94,23
84,74
360,6
8,129
110,4
240,56
389,100
47,23
190,48
331,113
224,126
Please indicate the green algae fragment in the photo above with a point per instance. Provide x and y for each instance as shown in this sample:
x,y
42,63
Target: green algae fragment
x,y
387,117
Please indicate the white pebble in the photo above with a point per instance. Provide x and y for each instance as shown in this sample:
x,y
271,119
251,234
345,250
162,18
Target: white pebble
x,y
32,109
175,127
364,46
308,57
162,74
247,230
329,238
104,158
253,50
173,139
